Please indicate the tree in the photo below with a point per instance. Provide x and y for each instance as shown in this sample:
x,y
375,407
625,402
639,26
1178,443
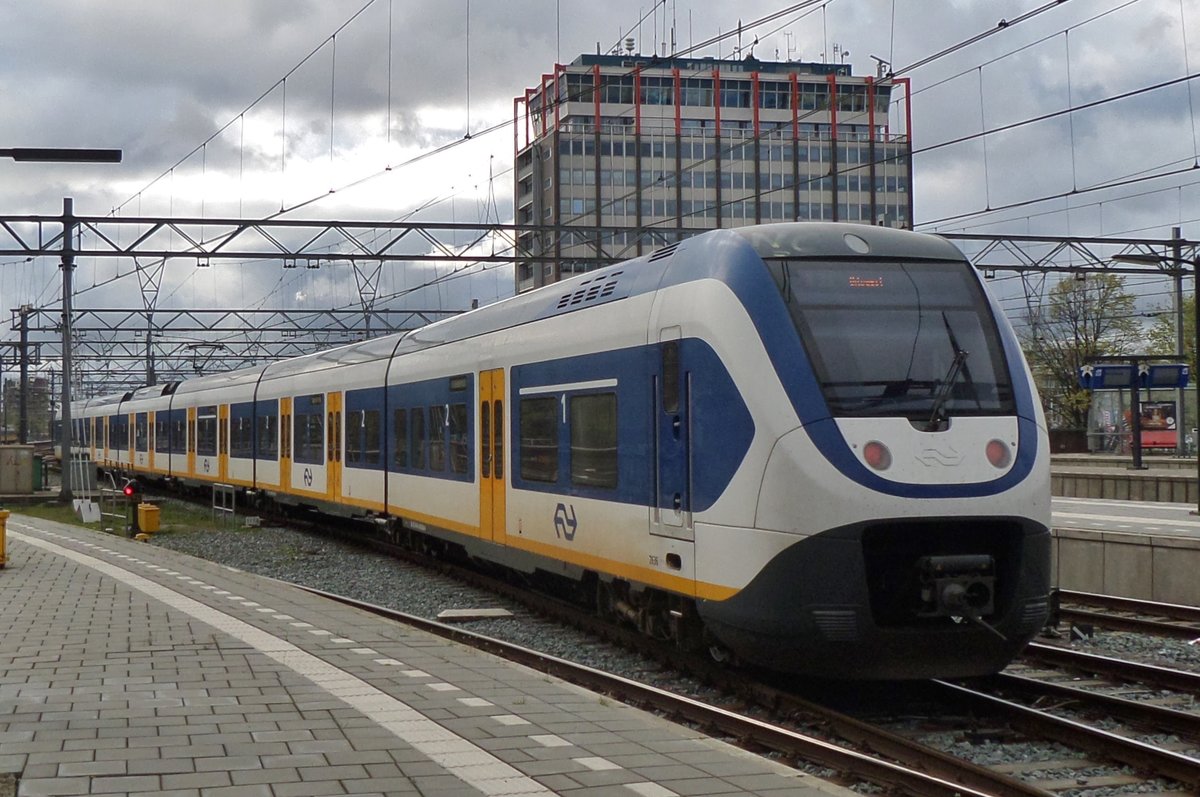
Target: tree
x,y
1082,319
1162,334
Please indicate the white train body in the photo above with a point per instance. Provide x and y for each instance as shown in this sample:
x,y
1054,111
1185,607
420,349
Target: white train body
x,y
814,445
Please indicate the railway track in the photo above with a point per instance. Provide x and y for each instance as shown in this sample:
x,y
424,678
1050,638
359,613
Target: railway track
x,y
858,749
872,750
867,750
1130,614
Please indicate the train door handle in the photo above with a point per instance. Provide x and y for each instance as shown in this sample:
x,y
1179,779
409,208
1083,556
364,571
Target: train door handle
x,y
676,426
678,502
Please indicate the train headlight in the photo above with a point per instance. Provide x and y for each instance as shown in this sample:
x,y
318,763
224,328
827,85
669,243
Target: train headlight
x,y
999,453
877,455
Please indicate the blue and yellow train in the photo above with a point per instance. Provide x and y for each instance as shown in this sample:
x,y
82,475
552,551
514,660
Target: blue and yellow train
x,y
814,447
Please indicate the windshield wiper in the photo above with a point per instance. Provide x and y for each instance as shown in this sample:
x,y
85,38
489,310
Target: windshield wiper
x,y
966,371
946,384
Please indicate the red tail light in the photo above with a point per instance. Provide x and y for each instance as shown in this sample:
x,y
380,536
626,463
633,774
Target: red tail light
x,y
877,455
998,453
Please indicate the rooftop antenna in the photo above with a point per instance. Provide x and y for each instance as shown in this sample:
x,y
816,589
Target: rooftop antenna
x,y
882,68
674,11
629,44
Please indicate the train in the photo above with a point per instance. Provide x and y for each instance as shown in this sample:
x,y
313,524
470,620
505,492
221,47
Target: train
x,y
813,447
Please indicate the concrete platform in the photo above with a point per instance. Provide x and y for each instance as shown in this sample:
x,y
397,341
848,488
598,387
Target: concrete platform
x,y
1149,567
127,669
1108,477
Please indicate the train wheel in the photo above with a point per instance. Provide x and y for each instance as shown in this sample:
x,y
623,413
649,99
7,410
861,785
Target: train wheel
x,y
719,653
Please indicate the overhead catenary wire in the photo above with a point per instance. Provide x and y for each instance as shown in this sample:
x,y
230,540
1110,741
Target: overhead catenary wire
x,y
314,199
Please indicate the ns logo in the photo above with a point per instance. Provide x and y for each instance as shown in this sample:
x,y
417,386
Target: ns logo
x,y
565,524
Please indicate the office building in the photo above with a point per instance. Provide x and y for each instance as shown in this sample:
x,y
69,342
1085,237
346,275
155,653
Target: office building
x,y
640,152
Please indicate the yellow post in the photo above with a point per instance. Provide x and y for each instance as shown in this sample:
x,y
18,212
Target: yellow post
x,y
4,513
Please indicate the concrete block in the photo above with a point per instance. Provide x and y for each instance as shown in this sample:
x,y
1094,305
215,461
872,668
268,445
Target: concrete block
x,y
1176,561
1128,568
1081,564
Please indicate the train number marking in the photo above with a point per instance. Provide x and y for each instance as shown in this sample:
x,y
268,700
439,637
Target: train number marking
x,y
308,477
207,468
564,524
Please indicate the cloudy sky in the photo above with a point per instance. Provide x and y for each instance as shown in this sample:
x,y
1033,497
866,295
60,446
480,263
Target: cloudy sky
x,y
195,95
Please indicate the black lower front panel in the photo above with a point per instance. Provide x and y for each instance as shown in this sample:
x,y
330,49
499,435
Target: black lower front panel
x,y
940,597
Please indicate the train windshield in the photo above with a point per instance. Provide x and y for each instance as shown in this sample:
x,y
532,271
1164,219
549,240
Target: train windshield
x,y
912,339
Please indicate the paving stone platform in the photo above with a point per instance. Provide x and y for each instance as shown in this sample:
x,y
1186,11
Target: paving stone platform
x,y
128,669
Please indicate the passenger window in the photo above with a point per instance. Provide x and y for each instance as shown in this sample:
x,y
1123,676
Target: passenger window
x,y
539,439
372,437
485,440
670,371
308,435
460,453
268,437
206,431
437,438
418,438
594,440
400,438
354,428
499,446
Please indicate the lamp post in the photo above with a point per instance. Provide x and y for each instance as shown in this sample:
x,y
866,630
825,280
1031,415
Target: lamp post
x,y
1177,259
64,155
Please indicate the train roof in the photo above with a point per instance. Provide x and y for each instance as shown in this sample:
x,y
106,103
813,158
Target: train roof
x,y
837,240
631,277
228,379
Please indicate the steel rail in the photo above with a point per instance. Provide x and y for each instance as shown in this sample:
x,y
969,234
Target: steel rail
x,y
1174,611
745,729
1137,625
1135,712
1139,755
1117,668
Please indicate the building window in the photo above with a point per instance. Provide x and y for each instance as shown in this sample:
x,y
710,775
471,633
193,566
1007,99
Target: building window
x,y
735,94
658,91
697,92
774,94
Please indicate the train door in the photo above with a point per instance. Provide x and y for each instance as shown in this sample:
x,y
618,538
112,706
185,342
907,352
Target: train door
x,y
223,443
333,444
672,439
491,456
285,444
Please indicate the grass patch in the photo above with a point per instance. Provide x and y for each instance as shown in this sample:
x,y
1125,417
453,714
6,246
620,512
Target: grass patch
x,y
173,516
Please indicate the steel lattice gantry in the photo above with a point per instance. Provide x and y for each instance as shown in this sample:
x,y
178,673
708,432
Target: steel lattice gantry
x,y
120,348
130,346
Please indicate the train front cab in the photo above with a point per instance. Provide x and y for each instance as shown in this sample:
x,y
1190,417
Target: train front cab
x,y
913,474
